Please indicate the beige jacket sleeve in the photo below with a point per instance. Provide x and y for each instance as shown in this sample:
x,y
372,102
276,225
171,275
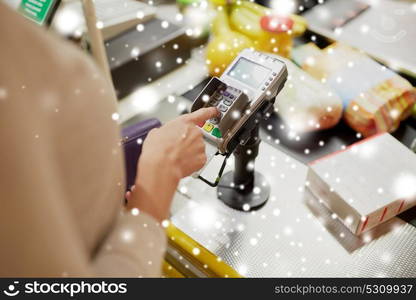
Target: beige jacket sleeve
x,y
61,170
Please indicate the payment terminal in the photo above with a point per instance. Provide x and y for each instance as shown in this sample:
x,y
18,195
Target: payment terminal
x,y
250,83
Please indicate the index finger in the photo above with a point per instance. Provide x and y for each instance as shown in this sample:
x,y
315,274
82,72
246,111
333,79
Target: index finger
x,y
201,115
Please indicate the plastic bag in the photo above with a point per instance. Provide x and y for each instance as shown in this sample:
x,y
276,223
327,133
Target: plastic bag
x,y
305,104
375,98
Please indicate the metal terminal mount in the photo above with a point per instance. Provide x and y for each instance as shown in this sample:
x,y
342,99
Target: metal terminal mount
x,y
245,189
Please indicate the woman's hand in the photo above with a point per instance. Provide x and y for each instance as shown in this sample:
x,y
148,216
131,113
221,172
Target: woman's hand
x,y
169,153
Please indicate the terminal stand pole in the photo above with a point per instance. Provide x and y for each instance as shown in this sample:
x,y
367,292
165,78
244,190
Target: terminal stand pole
x,y
244,188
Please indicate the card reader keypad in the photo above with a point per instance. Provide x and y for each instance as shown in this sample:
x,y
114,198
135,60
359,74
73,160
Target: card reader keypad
x,y
223,100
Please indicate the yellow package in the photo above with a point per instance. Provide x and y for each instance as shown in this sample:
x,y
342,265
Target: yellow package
x,y
270,33
243,24
224,45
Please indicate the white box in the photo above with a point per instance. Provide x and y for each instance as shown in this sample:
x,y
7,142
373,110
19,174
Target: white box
x,y
366,184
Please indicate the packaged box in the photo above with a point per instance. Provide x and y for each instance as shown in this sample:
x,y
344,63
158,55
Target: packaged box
x,y
366,184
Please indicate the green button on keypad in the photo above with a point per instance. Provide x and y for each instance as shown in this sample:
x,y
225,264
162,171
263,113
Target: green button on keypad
x,y
216,132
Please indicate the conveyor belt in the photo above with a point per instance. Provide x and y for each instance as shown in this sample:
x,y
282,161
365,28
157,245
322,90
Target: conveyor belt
x,y
285,237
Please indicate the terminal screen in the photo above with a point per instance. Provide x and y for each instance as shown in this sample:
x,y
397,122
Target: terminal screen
x,y
248,72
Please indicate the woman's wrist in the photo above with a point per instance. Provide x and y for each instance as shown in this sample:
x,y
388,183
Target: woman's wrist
x,y
154,189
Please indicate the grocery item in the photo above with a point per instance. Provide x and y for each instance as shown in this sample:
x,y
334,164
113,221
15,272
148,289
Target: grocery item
x,y
375,98
306,104
223,2
225,44
366,184
186,3
269,32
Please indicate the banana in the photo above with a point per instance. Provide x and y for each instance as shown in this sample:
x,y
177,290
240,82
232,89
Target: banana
x,y
225,44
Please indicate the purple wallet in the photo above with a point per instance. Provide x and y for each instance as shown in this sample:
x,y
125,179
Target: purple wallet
x,y
132,138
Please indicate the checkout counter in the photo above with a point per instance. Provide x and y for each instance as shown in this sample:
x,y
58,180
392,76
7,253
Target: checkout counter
x,y
291,235
286,237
